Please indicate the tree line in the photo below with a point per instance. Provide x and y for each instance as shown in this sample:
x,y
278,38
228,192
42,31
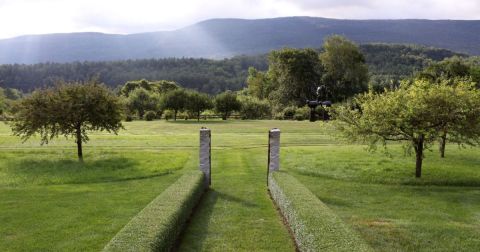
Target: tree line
x,y
386,62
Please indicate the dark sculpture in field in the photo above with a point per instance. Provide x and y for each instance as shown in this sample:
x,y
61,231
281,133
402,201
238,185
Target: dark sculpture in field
x,y
321,95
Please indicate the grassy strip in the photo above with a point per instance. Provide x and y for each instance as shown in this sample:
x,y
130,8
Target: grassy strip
x,y
158,225
313,224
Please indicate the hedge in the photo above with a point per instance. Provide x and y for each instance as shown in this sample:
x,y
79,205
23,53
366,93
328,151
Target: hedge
x,y
315,227
158,225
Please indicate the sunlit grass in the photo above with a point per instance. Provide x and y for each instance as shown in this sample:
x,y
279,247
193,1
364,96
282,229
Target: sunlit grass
x,y
49,201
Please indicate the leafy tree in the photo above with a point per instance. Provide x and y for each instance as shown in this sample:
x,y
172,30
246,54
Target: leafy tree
x,y
160,87
141,100
258,83
198,102
295,75
346,73
460,115
226,103
412,114
71,110
254,108
447,69
451,71
175,100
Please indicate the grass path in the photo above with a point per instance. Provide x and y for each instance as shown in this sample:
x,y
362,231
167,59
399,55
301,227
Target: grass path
x,y
237,213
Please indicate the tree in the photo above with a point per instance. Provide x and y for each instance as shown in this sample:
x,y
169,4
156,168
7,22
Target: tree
x,y
346,73
254,108
295,75
226,103
71,110
456,72
198,102
141,100
175,100
460,115
258,83
160,87
413,114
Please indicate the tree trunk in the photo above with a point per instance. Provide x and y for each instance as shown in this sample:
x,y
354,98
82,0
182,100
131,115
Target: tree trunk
x,y
224,116
443,143
198,116
175,115
419,155
79,143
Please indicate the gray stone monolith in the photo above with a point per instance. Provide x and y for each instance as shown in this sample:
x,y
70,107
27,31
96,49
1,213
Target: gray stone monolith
x,y
274,150
205,154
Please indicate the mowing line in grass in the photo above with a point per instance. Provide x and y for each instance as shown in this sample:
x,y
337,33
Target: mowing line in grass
x,y
237,213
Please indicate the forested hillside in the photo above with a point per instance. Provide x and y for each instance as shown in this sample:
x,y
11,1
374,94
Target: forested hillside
x,y
219,38
206,75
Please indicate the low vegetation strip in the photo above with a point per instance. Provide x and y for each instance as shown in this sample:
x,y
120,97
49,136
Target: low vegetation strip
x,y
314,226
158,225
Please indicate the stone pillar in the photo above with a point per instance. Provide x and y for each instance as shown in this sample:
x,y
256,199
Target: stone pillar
x,y
205,154
274,150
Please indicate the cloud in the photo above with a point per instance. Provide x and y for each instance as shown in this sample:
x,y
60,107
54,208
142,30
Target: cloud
x,y
19,17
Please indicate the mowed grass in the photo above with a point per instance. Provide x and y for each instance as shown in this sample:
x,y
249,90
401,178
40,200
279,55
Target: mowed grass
x,y
392,210
50,202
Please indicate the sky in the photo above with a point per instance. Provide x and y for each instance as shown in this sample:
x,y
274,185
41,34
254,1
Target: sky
x,y
21,17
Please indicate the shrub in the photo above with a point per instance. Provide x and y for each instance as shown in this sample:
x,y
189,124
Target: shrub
x,y
254,108
289,112
302,113
168,114
158,225
128,118
315,226
150,115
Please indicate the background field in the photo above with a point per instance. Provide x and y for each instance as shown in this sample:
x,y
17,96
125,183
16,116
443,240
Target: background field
x,y
49,201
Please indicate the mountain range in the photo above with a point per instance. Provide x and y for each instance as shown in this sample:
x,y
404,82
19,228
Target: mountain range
x,y
220,38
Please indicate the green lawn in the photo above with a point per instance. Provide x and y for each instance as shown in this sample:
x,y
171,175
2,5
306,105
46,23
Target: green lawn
x,y
50,202
392,210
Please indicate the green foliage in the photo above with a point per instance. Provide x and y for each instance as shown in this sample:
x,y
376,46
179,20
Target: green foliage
x,y
288,112
415,114
70,110
302,113
160,87
346,73
204,75
175,100
150,115
158,225
314,225
198,102
141,100
258,83
226,103
2,103
254,108
295,75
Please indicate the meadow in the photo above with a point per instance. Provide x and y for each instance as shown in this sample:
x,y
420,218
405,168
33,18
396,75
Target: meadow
x,y
49,201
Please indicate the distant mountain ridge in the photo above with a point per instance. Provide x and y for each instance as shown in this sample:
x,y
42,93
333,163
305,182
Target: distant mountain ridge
x,y
219,38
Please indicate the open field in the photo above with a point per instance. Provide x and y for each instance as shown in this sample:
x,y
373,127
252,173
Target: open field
x,y
49,201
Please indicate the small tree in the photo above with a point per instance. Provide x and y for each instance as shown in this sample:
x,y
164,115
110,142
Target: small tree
x,y
175,100
413,114
198,102
226,103
71,110
254,108
141,100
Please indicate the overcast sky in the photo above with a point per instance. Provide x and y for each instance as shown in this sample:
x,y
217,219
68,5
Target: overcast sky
x,y
19,17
